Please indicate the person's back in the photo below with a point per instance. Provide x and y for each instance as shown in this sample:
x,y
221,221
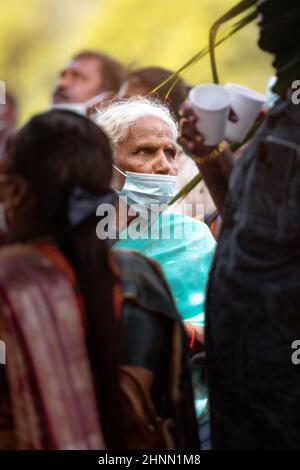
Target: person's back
x,y
261,222
153,340
51,151
47,393
62,402
252,316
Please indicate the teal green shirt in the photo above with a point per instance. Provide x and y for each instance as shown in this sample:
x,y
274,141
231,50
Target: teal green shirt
x,y
184,248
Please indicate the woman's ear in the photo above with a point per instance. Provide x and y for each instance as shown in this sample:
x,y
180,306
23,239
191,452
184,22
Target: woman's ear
x,y
16,192
14,197
21,212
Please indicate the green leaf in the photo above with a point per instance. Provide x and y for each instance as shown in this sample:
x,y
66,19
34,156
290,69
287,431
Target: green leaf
x,y
237,10
187,188
213,43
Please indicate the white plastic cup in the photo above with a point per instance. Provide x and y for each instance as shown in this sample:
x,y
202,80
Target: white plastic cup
x,y
211,104
246,103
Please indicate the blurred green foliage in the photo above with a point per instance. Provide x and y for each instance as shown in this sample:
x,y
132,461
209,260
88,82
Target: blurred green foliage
x,y
38,37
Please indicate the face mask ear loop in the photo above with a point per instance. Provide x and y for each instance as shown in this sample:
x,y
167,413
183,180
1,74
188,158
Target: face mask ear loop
x,y
120,171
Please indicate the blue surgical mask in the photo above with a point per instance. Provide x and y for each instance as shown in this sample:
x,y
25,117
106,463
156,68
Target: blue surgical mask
x,y
147,189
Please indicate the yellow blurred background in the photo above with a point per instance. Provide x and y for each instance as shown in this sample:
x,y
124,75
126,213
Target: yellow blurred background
x,y
38,37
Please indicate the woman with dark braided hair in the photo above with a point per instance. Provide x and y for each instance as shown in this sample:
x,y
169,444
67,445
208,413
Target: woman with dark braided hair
x,y
51,158
76,368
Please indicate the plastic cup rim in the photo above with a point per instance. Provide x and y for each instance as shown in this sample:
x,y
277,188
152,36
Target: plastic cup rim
x,y
211,85
252,96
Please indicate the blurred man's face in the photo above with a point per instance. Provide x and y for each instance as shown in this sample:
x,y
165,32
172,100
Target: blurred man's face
x,y
278,23
78,82
264,23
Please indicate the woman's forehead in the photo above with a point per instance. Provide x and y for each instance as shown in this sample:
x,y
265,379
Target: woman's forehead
x,y
150,127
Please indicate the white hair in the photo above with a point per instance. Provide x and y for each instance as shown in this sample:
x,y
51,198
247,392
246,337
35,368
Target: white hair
x,y
117,118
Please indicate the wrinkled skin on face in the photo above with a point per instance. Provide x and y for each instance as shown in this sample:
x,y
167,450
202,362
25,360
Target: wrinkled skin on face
x,y
150,148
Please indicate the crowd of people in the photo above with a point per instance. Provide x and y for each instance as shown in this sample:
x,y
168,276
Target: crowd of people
x,y
130,322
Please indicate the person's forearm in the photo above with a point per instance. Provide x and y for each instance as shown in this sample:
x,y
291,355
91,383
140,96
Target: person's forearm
x,y
216,173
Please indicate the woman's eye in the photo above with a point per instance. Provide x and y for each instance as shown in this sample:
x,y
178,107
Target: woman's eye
x,y
170,153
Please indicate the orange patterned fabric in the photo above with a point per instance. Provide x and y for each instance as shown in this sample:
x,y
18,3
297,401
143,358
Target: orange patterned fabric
x,y
50,381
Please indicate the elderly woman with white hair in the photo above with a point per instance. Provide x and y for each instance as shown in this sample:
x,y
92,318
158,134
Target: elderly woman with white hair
x,y
144,135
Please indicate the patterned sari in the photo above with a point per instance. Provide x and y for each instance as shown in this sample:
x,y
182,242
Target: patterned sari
x,y
47,369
